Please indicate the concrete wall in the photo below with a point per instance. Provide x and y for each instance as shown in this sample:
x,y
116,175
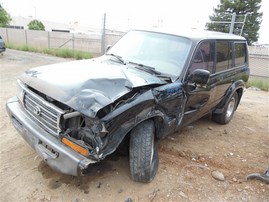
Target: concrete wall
x,y
259,61
44,39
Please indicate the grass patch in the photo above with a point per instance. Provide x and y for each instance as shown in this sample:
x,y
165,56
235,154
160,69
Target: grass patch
x,y
262,84
67,53
81,55
27,48
64,53
10,46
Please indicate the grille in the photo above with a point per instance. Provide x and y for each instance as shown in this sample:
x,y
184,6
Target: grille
x,y
43,112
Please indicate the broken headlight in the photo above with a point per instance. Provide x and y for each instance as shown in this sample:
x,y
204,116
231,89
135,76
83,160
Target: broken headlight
x,y
20,93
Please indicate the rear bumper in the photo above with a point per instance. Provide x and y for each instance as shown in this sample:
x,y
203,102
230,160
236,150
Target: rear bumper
x,y
57,155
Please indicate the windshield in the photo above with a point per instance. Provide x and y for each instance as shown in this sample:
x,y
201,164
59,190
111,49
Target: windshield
x,y
165,53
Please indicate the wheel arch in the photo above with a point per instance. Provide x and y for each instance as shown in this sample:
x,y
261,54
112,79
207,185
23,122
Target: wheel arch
x,y
122,132
236,87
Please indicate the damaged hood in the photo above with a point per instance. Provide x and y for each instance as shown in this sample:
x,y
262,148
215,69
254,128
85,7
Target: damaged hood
x,y
87,85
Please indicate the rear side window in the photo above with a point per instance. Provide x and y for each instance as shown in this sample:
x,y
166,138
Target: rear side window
x,y
240,54
224,55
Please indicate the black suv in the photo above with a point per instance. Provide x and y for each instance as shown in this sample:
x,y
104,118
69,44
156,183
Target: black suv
x,y
148,85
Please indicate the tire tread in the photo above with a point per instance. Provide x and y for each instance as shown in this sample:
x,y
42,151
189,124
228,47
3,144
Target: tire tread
x,y
140,152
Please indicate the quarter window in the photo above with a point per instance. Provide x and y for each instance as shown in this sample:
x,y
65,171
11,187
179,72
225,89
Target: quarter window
x,y
240,54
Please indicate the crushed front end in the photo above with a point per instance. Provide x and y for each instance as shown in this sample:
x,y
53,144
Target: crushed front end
x,y
65,139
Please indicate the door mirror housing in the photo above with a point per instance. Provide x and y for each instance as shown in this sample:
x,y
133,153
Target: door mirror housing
x,y
199,76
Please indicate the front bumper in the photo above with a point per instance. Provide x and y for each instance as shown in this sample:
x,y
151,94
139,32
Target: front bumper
x,y
57,155
2,49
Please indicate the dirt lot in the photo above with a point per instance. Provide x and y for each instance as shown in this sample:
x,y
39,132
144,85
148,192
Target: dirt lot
x,y
187,159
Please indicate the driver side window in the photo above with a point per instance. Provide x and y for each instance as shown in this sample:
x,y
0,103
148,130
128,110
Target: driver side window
x,y
203,57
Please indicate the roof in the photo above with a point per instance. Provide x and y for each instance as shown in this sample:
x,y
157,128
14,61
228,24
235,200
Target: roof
x,y
198,34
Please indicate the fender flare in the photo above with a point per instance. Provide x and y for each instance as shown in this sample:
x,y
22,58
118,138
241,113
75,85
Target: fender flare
x,y
238,87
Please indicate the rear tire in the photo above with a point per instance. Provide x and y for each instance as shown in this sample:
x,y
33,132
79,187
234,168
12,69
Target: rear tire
x,y
228,112
143,152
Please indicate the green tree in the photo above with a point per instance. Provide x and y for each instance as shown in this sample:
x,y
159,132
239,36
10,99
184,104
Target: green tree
x,y
242,8
4,17
36,25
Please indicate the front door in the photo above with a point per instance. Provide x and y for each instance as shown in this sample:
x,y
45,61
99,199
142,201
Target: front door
x,y
200,98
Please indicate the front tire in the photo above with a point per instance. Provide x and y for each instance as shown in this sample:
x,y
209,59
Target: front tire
x,y
143,152
228,111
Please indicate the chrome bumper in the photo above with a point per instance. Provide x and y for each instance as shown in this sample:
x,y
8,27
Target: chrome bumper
x,y
57,155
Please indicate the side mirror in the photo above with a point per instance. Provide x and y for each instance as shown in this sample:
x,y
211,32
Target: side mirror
x,y
108,47
199,76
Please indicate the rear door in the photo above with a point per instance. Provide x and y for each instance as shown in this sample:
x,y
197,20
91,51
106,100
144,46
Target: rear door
x,y
223,75
231,64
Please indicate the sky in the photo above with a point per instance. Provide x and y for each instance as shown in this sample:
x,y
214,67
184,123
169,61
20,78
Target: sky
x,y
126,14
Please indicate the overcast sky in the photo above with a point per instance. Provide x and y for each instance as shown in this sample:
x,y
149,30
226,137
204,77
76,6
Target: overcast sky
x,y
126,14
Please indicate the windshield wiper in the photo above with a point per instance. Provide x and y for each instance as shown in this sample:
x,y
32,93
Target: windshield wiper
x,y
119,58
146,68
151,70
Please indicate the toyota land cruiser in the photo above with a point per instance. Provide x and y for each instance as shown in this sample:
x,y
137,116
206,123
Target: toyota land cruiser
x,y
147,86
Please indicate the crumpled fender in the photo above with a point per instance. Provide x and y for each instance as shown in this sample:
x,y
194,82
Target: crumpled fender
x,y
148,105
126,117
